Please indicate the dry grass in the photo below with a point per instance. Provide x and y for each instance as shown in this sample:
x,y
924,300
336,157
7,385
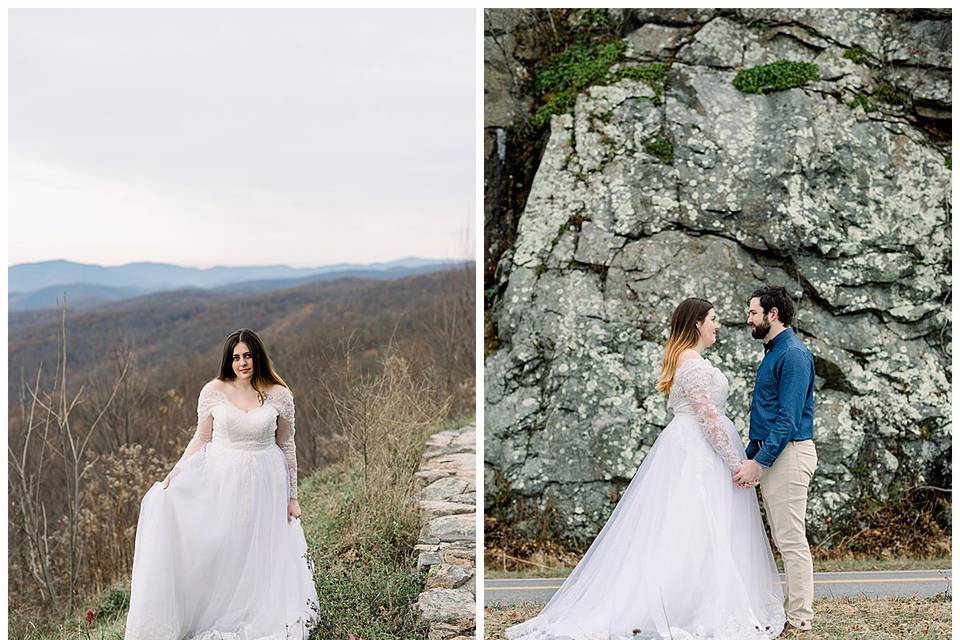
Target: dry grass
x,y
878,564
505,552
842,619
911,530
850,619
108,607
386,419
112,506
557,570
914,522
360,515
496,618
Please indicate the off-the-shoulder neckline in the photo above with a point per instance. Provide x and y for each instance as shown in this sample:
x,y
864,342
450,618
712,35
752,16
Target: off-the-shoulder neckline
x,y
212,386
211,389
238,408
689,360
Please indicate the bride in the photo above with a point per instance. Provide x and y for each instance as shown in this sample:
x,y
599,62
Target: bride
x,y
684,554
219,551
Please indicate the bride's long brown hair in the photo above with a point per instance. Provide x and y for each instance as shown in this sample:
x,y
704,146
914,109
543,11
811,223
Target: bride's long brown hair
x,y
683,335
263,372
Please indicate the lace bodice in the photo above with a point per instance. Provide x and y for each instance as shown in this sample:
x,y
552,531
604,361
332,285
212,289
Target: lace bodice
x,y
222,422
700,389
711,379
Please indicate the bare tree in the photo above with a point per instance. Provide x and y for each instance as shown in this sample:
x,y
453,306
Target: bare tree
x,y
385,418
51,438
131,406
26,475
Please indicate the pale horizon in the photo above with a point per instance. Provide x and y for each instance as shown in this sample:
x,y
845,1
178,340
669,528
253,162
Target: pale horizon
x,y
239,137
250,264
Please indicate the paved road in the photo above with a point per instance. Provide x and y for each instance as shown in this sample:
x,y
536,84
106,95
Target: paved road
x,y
871,584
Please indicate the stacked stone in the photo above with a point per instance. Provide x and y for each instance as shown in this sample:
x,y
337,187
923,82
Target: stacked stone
x,y
447,542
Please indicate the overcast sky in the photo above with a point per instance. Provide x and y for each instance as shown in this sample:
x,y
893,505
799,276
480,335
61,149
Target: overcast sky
x,y
232,137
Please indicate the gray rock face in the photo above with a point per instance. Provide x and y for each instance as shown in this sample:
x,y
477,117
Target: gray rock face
x,y
849,210
504,103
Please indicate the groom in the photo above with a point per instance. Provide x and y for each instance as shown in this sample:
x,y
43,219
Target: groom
x,y
781,455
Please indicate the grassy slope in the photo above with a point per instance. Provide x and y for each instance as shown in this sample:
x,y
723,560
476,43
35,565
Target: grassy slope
x,y
365,587
365,583
365,573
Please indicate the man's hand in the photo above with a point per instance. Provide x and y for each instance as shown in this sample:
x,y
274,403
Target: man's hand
x,y
749,474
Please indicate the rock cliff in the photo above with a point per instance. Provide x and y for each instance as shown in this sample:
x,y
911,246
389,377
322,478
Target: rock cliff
x,y
652,189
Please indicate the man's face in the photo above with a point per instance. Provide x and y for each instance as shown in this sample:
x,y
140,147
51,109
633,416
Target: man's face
x,y
758,320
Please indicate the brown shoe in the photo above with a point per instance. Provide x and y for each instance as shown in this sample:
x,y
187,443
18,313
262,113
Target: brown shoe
x,y
790,631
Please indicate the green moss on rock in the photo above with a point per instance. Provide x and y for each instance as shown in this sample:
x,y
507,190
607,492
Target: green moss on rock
x,y
585,64
858,55
862,100
886,92
654,74
661,149
557,103
776,76
577,67
593,18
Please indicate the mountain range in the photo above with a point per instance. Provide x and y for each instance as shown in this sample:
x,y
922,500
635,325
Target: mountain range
x,y
38,285
173,332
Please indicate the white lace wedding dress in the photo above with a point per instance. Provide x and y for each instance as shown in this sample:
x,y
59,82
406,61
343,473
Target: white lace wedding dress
x,y
684,554
215,557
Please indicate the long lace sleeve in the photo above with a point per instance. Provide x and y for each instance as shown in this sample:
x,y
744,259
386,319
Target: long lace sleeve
x,y
695,381
285,437
203,432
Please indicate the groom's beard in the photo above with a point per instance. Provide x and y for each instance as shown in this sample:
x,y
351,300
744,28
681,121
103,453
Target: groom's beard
x,y
760,331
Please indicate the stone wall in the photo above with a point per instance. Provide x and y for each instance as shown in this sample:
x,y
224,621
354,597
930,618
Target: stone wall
x,y
844,200
447,542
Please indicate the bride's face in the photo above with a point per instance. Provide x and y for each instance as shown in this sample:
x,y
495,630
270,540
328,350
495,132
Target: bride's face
x,y
709,329
242,361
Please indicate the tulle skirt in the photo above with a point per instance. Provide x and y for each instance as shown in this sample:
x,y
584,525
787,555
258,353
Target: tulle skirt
x,y
684,555
215,557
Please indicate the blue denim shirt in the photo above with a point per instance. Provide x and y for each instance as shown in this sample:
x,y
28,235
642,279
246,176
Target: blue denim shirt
x,y
782,406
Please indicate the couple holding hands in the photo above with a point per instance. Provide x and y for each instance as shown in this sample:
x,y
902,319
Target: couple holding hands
x,y
684,553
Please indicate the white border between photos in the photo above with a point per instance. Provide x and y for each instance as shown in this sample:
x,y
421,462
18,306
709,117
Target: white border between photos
x,y
478,383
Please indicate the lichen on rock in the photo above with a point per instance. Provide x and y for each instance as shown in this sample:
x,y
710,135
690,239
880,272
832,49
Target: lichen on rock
x,y
849,209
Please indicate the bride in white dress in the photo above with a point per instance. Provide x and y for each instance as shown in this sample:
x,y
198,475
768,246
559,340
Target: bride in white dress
x,y
684,554
219,552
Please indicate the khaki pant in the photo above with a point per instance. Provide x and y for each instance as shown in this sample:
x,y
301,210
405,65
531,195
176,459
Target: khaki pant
x,y
784,489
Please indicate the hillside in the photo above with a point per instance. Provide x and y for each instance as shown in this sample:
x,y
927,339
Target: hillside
x,y
185,328
338,345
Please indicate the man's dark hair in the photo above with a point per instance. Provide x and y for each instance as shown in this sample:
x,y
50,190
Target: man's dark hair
x,y
778,297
